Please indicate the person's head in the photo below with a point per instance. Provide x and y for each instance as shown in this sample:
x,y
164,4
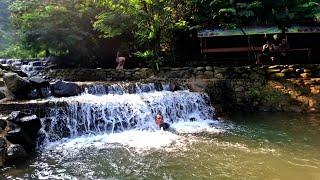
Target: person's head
x,y
159,119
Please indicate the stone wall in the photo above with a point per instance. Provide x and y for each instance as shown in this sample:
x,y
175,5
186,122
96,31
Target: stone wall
x,y
294,88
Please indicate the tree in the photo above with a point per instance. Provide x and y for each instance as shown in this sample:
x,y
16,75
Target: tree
x,y
148,23
58,27
82,28
5,29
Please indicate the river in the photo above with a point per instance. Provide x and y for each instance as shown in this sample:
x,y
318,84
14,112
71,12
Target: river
x,y
241,146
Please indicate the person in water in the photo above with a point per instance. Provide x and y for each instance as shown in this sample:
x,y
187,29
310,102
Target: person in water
x,y
160,122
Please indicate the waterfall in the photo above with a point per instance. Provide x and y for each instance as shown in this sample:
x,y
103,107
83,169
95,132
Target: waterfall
x,y
108,109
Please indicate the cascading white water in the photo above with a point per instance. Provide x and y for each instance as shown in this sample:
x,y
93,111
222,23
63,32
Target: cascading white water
x,y
111,109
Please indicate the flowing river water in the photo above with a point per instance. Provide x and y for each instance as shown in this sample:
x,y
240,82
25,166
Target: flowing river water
x,y
110,134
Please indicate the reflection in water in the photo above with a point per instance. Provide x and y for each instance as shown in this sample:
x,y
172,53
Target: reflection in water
x,y
255,146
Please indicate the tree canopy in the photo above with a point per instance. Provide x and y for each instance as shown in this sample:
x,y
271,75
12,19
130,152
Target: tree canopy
x,y
83,29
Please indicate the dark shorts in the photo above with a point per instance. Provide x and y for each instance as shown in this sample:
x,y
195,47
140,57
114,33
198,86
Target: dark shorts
x,y
165,126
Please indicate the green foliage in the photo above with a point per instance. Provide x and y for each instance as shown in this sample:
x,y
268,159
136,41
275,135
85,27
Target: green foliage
x,y
147,23
16,51
60,27
80,28
5,29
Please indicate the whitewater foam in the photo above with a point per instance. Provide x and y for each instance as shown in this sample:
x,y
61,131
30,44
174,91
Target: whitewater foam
x,y
138,140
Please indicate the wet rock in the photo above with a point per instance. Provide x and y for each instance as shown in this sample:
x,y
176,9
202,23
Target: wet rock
x,y
158,86
23,129
2,84
200,68
132,89
20,73
16,151
209,68
18,136
3,149
65,89
3,124
16,115
39,81
41,88
16,84
2,95
6,67
28,122
33,94
174,87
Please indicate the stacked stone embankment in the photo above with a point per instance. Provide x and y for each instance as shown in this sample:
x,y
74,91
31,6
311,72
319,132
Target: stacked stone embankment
x,y
292,88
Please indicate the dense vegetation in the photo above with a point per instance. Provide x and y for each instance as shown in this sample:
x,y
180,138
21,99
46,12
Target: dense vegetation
x,y
92,31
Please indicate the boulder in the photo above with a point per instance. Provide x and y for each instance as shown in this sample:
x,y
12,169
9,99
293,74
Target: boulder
x,y
3,124
20,73
65,89
41,88
16,151
18,136
30,123
2,95
45,92
208,68
16,115
38,81
3,149
6,67
158,86
16,84
35,63
33,94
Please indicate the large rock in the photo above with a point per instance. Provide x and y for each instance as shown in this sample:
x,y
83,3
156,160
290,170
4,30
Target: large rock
x,y
23,129
3,124
3,149
30,123
2,95
18,136
16,84
20,73
41,87
65,89
16,151
38,81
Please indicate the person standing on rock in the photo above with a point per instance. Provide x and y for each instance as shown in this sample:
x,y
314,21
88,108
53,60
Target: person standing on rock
x,y
120,59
